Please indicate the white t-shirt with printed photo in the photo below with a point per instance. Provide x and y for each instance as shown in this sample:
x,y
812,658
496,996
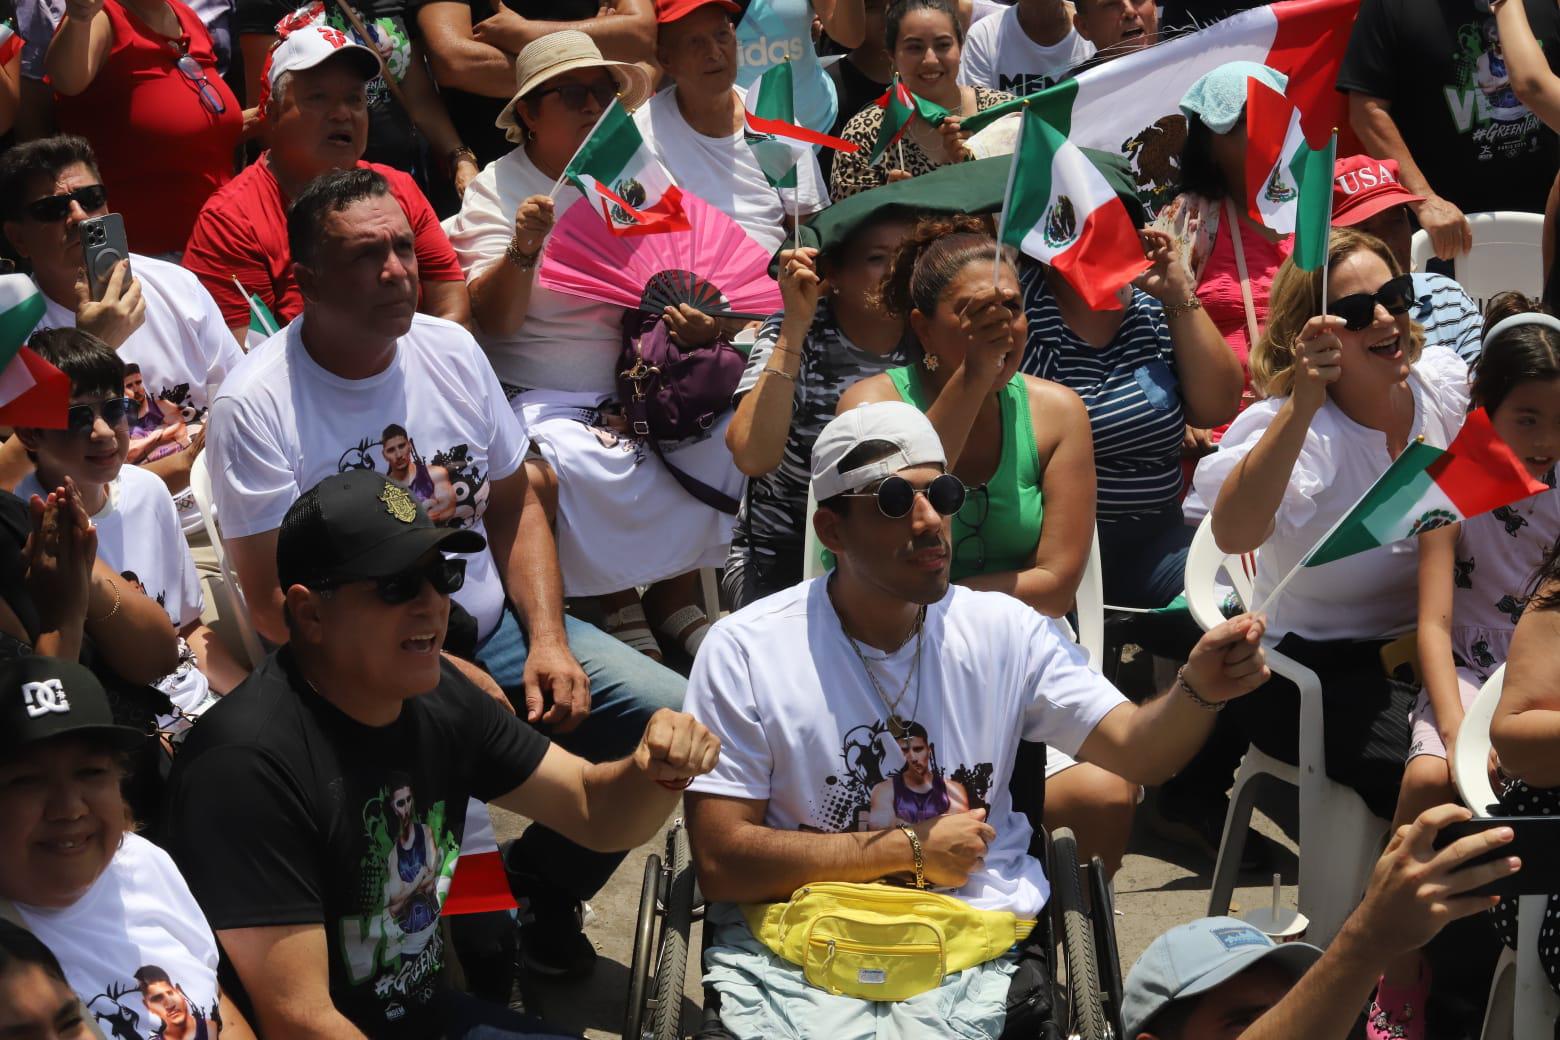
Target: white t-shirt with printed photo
x,y
999,54
136,948
184,350
435,421
139,537
802,727
724,172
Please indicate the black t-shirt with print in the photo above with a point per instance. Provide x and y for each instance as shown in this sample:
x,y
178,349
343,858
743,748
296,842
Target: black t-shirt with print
x,y
1439,64
392,139
284,811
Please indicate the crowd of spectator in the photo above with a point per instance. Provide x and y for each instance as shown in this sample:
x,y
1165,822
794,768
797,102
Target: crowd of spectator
x,y
336,402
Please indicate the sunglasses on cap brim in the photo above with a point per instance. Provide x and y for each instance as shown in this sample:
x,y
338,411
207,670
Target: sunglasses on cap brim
x,y
896,496
1358,310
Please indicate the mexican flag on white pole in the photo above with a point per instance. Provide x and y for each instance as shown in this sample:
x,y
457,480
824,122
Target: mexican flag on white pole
x,y
262,323
778,142
1289,183
1130,106
623,180
1061,210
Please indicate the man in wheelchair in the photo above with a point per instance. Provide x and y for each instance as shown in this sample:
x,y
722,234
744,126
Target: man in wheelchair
x,y
822,694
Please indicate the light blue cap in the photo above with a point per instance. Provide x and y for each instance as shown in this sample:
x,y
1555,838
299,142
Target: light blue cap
x,y
1191,959
1219,97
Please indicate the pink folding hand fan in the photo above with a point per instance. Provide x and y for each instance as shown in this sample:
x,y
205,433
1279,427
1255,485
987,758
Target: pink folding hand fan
x,y
713,266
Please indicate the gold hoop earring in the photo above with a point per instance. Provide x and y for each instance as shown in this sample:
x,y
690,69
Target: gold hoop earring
x,y
931,362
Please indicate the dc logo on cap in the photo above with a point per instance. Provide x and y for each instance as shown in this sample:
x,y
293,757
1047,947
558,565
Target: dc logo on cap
x,y
44,698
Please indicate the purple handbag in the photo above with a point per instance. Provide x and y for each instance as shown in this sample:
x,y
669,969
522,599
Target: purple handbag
x,y
671,393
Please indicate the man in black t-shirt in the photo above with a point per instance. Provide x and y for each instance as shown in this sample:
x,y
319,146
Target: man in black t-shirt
x,y
317,811
1428,87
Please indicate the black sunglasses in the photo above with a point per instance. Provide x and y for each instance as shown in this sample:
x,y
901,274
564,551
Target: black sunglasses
x,y
1358,310
445,575
574,95
80,418
896,495
57,207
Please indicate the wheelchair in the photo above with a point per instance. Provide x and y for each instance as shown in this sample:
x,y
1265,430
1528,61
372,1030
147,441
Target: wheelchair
x,y
1085,984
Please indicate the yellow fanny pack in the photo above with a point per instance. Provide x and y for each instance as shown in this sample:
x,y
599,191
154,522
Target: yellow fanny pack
x,y
881,942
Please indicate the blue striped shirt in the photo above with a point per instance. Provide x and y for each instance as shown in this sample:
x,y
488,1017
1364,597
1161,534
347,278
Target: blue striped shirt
x,y
1131,390
1450,318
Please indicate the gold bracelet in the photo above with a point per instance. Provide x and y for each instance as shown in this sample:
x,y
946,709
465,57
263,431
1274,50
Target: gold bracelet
x,y
521,259
1175,310
767,371
112,610
915,850
1197,699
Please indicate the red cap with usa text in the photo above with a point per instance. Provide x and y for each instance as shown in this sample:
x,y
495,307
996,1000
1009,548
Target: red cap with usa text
x,y
1364,186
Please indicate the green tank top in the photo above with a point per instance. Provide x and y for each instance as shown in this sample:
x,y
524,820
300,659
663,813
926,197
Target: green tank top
x,y
999,526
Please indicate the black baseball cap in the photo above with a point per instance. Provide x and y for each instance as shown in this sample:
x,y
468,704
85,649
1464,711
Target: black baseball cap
x,y
358,526
46,697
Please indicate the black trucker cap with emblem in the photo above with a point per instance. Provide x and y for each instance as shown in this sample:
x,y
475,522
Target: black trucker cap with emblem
x,y
358,526
45,697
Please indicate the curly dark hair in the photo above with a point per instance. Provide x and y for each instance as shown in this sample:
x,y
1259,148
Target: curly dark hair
x,y
931,256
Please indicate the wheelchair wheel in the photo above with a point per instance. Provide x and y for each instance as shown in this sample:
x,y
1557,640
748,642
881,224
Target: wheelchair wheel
x,y
644,941
1085,1009
1108,954
672,966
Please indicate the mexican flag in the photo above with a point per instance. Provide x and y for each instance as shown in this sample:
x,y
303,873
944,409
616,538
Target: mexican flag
x,y
777,141
262,323
32,391
1059,209
1130,106
480,884
899,107
1426,488
1288,183
10,42
620,178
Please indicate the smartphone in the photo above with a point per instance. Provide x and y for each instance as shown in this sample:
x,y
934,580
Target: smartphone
x,y
1535,841
102,246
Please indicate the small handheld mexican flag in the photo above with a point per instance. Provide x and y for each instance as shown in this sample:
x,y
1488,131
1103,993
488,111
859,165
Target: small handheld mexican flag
x,y
899,107
10,42
1426,488
1289,184
262,323
32,391
772,132
623,181
1061,210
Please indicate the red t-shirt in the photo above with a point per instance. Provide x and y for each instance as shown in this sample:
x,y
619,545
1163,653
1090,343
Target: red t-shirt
x,y
161,149
242,232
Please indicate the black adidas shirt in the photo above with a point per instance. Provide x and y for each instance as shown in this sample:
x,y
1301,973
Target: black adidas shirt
x,y
285,811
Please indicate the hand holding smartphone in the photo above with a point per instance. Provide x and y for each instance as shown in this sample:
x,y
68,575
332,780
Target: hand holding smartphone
x,y
103,245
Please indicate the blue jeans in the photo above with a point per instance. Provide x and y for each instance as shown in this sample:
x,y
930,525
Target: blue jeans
x,y
1144,558
467,1018
626,688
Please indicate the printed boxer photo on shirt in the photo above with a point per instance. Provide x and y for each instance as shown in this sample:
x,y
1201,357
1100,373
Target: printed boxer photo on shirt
x,y
892,776
449,485
165,1011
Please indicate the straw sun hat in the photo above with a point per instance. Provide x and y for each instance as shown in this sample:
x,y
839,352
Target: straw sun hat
x,y
560,52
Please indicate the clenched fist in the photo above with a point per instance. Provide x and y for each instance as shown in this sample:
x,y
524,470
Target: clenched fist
x,y
954,846
676,747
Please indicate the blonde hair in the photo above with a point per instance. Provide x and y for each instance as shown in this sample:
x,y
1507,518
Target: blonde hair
x,y
1296,297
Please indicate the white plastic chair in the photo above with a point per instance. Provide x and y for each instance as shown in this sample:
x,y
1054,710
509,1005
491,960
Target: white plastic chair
x,y
1522,1004
235,611
1340,839
1507,254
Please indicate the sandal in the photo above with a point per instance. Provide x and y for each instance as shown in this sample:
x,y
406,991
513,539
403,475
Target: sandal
x,y
688,626
630,626
1398,1012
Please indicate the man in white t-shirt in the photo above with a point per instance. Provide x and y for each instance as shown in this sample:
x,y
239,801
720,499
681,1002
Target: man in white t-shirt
x,y
1027,48
697,127
154,314
817,692
358,372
